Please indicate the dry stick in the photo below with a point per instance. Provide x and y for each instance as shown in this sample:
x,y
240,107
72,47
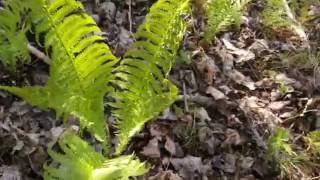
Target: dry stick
x,y
130,16
40,55
186,107
304,111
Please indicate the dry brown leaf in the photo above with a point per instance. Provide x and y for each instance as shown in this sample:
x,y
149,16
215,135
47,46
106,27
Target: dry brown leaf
x,y
170,146
239,78
152,149
232,138
215,93
165,175
242,54
206,66
250,107
208,140
158,131
55,133
202,114
189,167
278,105
10,173
246,162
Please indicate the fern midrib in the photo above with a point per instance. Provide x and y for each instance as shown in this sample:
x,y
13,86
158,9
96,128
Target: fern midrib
x,y
70,55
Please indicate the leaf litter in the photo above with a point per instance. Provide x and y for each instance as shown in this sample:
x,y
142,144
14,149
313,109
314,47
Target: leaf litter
x,y
234,93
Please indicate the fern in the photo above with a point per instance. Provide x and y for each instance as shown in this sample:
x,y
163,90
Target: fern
x,y
222,14
278,16
290,158
81,64
278,143
142,75
13,41
275,16
313,139
81,162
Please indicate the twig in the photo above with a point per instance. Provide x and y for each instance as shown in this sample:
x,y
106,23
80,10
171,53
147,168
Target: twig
x,y
304,111
40,55
184,97
317,177
198,99
130,16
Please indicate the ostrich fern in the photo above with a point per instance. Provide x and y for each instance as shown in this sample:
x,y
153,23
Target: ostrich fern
x,y
81,67
13,41
275,16
81,162
288,156
81,64
222,14
142,75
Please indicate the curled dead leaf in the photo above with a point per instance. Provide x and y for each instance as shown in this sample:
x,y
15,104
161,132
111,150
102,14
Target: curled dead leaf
x,y
170,146
165,175
215,93
189,167
239,78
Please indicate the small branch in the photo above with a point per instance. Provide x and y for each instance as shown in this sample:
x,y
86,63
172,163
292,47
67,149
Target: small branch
x,y
130,16
40,55
304,111
184,97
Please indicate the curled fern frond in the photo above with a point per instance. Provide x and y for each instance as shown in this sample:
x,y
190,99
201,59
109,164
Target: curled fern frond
x,y
222,14
81,64
13,26
81,162
142,75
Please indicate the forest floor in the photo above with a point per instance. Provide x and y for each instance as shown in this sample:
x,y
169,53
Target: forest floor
x,y
234,94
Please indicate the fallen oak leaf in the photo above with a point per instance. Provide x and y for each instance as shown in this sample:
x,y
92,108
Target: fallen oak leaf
x,y
189,167
215,93
243,55
170,146
152,150
165,175
11,173
239,78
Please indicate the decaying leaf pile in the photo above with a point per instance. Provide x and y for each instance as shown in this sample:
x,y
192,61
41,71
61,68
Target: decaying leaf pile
x,y
248,104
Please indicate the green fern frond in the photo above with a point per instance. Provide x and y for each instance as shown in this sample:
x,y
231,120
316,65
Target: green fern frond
x,y
81,64
13,26
287,156
278,143
79,161
274,15
142,75
222,14
313,139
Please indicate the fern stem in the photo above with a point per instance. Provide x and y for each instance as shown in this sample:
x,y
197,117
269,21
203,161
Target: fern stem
x,y
39,54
